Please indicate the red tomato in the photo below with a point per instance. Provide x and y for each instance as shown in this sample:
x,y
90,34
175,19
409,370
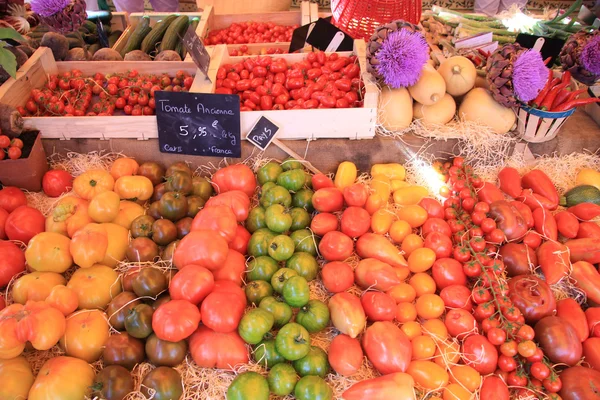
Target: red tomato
x,y
387,347
460,323
175,320
227,286
12,261
219,218
320,181
3,217
222,312
210,349
203,248
356,221
356,195
571,311
2,303
234,177
238,201
323,223
494,388
457,296
14,153
24,223
336,246
192,283
448,271
329,199
56,182
591,352
433,207
11,198
240,241
233,269
378,306
436,225
337,276
480,354
345,355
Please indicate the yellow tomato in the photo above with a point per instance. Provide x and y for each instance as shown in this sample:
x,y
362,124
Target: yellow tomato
x,y
410,195
423,347
448,353
391,170
415,215
588,176
87,332
36,286
104,207
16,378
345,175
89,245
63,299
422,283
95,286
403,293
381,186
64,378
398,184
411,243
93,182
430,306
420,260
412,329
49,252
128,211
124,167
456,392
69,215
118,241
405,312
428,375
436,329
399,230
374,203
466,376
134,188
382,220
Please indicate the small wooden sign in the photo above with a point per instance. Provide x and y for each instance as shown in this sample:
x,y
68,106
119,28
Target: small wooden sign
x,y
263,133
197,51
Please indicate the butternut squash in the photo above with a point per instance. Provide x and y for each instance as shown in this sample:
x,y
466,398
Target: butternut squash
x,y
395,108
459,73
430,88
479,106
439,113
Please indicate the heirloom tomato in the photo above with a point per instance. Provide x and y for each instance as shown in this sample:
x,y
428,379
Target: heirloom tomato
x,y
35,286
234,177
12,198
113,382
62,377
337,276
162,383
85,335
579,383
323,223
68,216
16,377
222,312
63,299
49,252
480,354
336,246
314,316
345,355
347,314
282,379
119,307
3,217
219,218
201,247
24,223
134,188
39,324
162,352
387,347
138,322
128,211
314,363
238,201
95,286
93,182
240,241
124,350
89,245
12,262
210,349
193,283
124,166
56,182
292,341
233,269
175,320
396,386
246,383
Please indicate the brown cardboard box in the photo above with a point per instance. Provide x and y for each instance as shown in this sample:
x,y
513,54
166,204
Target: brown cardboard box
x,y
26,173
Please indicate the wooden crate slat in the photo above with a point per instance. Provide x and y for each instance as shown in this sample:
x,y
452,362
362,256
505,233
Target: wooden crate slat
x,y
244,6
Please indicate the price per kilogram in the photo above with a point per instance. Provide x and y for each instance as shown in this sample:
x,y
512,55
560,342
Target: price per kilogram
x,y
198,124
263,133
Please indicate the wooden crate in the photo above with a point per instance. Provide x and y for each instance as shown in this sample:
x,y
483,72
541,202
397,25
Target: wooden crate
x,y
134,18
119,21
348,123
34,74
226,7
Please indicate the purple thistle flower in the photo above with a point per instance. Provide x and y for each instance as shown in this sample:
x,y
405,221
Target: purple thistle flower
x,y
529,75
590,55
47,8
401,58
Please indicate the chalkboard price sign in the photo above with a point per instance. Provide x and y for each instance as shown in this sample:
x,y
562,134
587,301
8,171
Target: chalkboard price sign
x,y
197,51
263,133
198,124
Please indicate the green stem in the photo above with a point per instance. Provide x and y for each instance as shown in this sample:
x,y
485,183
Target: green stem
x,y
500,32
560,17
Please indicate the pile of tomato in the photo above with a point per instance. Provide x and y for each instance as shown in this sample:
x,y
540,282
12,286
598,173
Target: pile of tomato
x,y
243,50
318,81
251,32
11,148
74,95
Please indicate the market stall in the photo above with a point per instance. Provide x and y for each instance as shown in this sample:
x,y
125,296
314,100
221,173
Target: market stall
x,y
211,206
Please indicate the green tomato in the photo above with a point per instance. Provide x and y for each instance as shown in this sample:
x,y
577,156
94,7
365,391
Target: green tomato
x,y
254,324
314,363
291,163
303,199
282,379
162,383
268,172
258,245
304,264
300,219
281,311
258,290
266,354
276,195
256,219
281,247
261,268
138,322
267,186
293,180
278,219
280,277
312,388
248,386
308,180
296,291
292,341
305,241
314,316
201,187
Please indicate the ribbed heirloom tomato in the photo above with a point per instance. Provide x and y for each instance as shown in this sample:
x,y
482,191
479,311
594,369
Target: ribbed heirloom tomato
x,y
175,320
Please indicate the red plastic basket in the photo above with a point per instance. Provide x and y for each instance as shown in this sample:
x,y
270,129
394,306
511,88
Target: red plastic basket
x,y
360,18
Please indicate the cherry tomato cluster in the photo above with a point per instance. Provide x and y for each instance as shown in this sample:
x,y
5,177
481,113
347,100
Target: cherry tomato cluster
x,y
11,148
243,50
251,32
72,94
475,237
318,81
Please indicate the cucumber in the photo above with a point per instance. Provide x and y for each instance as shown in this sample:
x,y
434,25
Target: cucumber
x,y
175,30
581,194
137,36
180,47
113,37
156,35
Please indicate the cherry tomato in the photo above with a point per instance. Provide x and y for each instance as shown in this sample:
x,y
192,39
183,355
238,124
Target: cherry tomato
x,y
14,153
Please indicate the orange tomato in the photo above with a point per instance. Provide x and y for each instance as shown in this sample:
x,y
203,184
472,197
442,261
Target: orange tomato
x,y
423,347
374,203
39,324
85,335
406,312
104,207
456,392
412,329
381,186
69,215
118,241
430,306
49,252
11,345
65,378
410,243
124,167
16,377
415,215
93,182
435,328
128,211
466,376
421,260
36,286
428,375
63,299
89,244
95,286
422,283
134,188
448,353
399,230
382,220
403,293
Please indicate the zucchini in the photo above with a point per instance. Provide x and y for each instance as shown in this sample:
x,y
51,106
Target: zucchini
x,y
89,26
180,47
581,194
137,36
157,33
173,33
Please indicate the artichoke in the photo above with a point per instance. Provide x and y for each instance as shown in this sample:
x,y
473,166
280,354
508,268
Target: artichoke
x,y
63,16
581,56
